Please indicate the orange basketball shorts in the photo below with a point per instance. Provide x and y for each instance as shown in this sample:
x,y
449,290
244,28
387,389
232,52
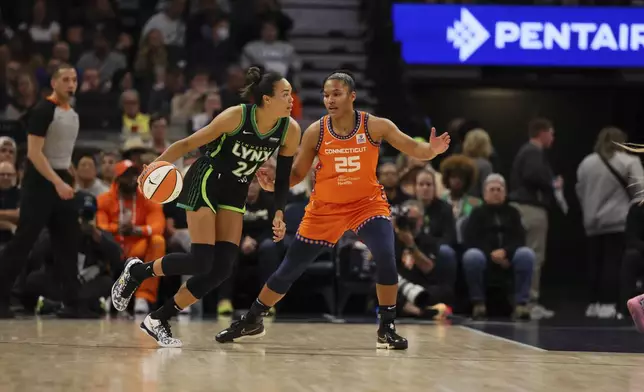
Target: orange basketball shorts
x,y
325,223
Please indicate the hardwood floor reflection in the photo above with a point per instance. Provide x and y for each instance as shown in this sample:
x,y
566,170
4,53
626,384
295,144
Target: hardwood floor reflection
x,y
114,355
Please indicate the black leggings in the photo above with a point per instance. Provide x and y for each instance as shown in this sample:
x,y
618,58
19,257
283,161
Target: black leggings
x,y
604,264
377,234
40,207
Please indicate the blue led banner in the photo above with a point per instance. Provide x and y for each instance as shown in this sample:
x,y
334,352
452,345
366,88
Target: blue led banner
x,y
520,35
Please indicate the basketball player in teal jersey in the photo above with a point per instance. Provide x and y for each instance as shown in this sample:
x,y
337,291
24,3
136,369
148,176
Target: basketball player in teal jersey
x,y
238,141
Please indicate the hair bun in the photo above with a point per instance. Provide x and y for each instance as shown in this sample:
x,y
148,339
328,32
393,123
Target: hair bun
x,y
253,75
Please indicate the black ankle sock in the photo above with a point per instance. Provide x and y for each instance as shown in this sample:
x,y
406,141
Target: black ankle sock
x,y
387,315
257,311
167,311
142,271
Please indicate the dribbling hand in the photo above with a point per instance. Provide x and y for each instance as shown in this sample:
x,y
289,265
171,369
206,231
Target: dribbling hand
x,y
64,190
265,179
439,144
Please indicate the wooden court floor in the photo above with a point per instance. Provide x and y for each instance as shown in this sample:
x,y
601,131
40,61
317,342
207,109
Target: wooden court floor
x,y
114,355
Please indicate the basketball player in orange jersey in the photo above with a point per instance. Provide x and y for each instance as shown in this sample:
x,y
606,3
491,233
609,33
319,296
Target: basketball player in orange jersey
x,y
346,196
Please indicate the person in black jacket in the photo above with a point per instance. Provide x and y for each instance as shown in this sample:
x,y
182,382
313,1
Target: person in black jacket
x,y
424,241
495,236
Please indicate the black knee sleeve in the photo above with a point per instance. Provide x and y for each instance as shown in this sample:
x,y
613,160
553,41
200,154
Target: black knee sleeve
x,y
198,262
378,235
385,258
298,257
225,255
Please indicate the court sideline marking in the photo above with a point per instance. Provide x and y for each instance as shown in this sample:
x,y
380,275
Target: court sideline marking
x,y
482,333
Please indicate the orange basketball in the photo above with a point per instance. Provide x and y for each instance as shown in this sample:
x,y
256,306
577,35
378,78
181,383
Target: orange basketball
x,y
163,182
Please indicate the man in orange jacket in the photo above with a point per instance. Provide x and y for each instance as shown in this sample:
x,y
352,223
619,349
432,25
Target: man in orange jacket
x,y
137,224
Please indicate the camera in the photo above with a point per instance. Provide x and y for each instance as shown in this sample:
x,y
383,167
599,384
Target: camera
x,y
403,221
86,207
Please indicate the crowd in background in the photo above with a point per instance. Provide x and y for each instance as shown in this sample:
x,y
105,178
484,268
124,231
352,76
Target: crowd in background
x,y
462,229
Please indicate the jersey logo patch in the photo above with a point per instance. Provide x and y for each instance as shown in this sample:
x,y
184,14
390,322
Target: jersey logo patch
x,y
274,139
361,138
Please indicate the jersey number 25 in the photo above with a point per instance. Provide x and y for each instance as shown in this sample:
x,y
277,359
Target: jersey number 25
x,y
347,164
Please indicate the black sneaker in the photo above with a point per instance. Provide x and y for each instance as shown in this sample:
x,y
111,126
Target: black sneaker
x,y
389,339
47,306
125,286
160,331
241,329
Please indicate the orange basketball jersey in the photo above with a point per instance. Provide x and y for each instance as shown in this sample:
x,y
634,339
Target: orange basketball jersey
x,y
346,171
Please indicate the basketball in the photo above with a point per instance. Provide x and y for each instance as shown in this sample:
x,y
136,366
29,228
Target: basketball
x,y
163,182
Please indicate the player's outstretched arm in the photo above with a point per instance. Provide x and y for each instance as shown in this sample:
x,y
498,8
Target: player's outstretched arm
x,y
226,121
382,128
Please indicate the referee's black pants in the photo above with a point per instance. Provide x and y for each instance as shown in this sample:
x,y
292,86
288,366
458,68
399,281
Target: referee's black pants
x,y
40,207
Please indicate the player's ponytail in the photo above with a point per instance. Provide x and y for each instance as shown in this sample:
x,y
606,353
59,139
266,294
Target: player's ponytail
x,y
258,85
632,147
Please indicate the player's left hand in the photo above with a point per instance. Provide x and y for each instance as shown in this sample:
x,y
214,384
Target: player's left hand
x,y
279,229
439,144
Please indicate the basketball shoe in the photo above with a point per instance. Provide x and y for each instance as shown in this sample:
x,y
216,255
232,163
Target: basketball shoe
x,y
241,330
125,285
160,331
389,339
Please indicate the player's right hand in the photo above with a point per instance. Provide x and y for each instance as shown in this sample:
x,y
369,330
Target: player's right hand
x,y
265,179
64,190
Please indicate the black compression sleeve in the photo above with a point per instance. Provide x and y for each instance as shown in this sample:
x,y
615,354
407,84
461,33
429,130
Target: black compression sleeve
x,y
282,179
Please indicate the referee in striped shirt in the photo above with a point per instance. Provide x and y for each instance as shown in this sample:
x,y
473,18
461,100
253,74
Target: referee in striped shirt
x,y
47,196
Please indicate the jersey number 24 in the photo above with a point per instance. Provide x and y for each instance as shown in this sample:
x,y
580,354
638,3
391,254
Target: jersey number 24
x,y
242,167
347,164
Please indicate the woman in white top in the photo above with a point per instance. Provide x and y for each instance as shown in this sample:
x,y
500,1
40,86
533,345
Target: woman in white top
x,y
42,28
607,184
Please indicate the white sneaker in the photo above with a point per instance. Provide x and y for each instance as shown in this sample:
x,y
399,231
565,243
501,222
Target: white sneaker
x,y
592,310
607,311
160,331
141,305
539,312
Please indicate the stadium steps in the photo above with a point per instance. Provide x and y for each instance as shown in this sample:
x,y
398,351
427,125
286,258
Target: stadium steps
x,y
328,35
